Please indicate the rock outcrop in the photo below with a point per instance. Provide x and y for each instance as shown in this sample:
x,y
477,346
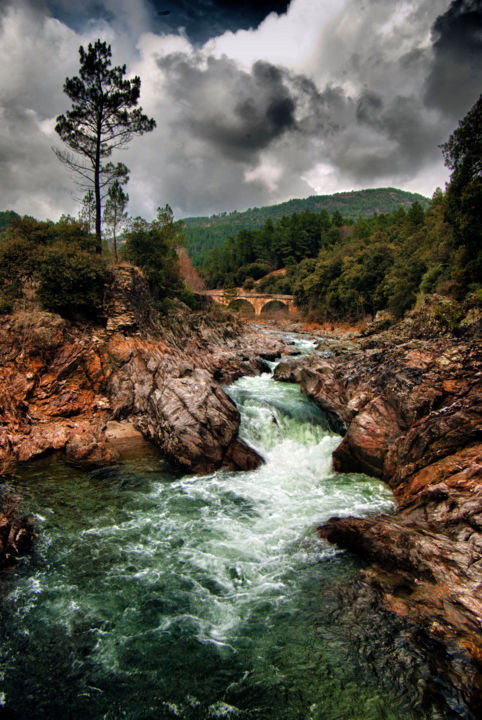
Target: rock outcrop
x,y
127,302
410,410
60,383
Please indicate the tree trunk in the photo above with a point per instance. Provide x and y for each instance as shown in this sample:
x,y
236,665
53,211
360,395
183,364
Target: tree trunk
x,y
98,202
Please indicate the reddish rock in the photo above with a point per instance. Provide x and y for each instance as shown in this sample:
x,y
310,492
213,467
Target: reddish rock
x,y
412,410
60,383
195,424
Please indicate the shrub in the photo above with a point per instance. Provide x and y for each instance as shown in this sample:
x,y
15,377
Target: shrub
x,y
55,263
71,280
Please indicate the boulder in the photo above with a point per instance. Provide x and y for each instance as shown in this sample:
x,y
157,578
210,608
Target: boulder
x,y
195,424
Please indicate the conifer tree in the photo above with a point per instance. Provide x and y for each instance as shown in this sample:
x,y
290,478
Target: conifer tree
x,y
103,117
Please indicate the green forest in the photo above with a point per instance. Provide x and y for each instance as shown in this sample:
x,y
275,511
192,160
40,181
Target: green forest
x,y
56,264
203,233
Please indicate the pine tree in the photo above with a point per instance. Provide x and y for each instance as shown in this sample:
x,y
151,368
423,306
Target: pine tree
x,y
103,117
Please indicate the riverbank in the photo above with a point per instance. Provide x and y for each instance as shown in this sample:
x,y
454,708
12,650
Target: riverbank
x,y
410,400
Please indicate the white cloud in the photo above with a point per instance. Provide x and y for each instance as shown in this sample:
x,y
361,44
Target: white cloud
x,y
268,173
288,40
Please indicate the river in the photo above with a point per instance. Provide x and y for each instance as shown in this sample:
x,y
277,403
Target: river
x,y
155,595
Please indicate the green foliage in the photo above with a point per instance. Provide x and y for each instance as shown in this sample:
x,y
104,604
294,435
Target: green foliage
x,y
463,155
230,293
6,219
447,315
54,261
71,280
115,216
378,266
254,253
204,233
153,247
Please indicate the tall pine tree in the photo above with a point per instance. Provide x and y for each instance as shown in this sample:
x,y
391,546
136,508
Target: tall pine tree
x,y
103,117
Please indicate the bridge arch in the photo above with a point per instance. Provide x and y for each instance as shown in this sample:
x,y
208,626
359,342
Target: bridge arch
x,y
275,306
242,306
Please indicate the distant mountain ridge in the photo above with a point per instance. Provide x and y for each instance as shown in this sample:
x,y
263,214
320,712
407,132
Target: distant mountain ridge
x,y
204,233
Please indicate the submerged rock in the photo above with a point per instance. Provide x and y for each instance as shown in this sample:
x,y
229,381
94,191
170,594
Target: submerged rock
x,y
16,531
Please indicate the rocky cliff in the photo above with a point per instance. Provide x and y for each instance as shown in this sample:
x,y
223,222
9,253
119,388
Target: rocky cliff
x,y
410,408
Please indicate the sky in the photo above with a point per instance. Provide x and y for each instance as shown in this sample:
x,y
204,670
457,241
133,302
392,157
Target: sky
x,y
255,101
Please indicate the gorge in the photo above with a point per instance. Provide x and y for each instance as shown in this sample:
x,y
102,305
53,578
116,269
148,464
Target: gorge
x,y
152,593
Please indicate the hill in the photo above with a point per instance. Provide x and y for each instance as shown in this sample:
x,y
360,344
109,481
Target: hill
x,y
204,233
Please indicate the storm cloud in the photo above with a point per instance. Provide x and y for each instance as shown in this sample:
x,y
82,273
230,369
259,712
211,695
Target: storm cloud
x,y
252,106
198,20
455,78
204,19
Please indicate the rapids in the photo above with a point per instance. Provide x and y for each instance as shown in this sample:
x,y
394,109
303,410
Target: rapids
x,y
155,595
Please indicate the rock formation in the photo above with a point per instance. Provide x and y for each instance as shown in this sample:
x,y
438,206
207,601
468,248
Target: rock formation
x,y
410,409
16,531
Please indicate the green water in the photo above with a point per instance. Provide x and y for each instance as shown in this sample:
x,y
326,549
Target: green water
x,y
154,595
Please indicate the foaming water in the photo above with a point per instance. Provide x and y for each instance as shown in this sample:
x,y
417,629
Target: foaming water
x,y
151,595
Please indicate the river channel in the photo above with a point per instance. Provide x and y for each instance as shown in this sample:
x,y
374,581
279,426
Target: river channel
x,y
155,595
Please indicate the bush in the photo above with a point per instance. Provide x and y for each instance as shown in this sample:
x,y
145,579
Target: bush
x,y
153,247
55,263
71,280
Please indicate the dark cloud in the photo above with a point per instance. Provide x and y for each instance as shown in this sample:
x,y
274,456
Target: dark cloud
x,y
203,19
199,20
239,113
368,108
455,81
243,115
324,110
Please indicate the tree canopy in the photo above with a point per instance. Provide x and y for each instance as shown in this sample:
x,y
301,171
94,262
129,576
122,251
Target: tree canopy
x,y
152,246
463,156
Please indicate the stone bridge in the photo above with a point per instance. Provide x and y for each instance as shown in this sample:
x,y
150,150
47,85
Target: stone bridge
x,y
251,301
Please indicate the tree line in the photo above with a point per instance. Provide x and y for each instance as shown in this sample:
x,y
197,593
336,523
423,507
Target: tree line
x,y
202,234
57,263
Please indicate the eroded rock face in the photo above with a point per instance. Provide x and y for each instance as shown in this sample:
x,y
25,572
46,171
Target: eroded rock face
x,y
412,411
126,299
60,385
195,424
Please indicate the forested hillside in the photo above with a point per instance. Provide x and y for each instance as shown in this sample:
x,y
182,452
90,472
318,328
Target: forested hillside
x,y
337,270
204,233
